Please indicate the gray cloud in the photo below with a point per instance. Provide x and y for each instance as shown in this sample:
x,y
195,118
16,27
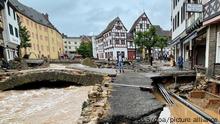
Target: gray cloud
x,y
77,17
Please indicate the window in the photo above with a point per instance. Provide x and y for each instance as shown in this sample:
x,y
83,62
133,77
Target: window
x,y
178,19
39,27
141,26
27,22
69,42
123,42
11,29
65,42
76,43
117,41
33,34
36,36
45,29
69,47
31,24
16,32
14,14
9,11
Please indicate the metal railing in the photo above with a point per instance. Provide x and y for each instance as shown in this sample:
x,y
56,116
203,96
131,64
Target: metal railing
x,y
211,10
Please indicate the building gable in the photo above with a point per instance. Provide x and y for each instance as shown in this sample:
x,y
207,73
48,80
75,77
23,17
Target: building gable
x,y
141,24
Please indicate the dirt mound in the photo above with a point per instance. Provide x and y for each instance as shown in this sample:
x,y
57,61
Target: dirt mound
x,y
89,62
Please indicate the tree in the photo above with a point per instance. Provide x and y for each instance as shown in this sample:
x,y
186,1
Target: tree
x,y
146,40
162,42
139,41
25,39
150,38
85,49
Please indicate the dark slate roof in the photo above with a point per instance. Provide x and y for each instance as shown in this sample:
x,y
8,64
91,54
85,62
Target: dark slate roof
x,y
162,32
110,26
32,14
136,22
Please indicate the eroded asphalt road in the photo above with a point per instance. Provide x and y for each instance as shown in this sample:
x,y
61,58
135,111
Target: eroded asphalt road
x,y
131,105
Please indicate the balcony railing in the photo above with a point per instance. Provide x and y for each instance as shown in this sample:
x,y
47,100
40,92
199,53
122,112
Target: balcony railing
x,y
211,9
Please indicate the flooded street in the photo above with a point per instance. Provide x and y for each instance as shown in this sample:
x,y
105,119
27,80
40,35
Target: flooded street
x,y
42,105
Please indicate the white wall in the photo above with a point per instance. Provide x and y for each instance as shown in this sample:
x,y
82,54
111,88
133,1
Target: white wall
x,y
9,19
10,41
94,51
182,25
70,45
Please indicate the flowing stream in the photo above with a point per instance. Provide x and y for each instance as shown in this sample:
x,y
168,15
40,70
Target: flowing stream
x,y
57,105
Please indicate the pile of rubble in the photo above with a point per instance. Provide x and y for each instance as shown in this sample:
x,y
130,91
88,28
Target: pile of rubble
x,y
201,83
97,105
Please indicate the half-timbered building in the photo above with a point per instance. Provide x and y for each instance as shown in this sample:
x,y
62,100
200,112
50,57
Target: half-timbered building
x,y
142,24
112,41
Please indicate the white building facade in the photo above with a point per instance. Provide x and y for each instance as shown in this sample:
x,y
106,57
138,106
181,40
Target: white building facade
x,y
11,32
188,32
142,24
71,44
178,16
112,41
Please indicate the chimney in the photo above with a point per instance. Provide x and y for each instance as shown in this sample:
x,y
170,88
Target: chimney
x,y
46,16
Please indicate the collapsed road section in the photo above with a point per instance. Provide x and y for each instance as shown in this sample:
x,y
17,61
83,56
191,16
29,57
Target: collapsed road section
x,y
130,104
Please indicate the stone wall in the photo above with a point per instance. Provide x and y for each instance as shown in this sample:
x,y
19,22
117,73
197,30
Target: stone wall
x,y
97,106
78,78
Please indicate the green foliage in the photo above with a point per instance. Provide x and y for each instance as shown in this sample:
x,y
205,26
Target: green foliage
x,y
85,49
147,39
25,37
162,42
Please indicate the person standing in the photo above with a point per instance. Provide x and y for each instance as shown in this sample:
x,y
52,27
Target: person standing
x,y
120,63
151,60
180,63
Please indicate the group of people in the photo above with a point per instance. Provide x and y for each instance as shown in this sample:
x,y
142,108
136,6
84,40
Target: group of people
x,y
120,62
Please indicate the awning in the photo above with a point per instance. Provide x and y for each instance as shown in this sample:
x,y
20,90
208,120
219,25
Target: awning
x,y
191,36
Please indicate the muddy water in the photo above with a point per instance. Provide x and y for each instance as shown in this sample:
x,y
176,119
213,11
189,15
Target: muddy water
x,y
178,114
42,105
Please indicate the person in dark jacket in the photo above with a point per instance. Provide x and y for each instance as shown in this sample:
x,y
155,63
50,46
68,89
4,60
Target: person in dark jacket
x,y
180,63
151,60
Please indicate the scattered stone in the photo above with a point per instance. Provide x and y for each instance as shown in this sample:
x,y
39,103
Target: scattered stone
x,y
97,104
186,88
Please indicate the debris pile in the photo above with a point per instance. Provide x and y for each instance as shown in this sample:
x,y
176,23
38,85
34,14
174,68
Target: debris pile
x,y
97,105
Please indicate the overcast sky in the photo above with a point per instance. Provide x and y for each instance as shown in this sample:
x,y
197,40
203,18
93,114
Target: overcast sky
x,y
78,17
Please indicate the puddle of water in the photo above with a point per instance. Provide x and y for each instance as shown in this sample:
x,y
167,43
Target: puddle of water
x,y
42,105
